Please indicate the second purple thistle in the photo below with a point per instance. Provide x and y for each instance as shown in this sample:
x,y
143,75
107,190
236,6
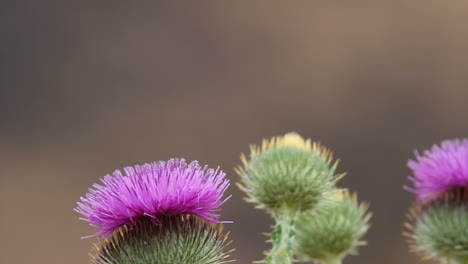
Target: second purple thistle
x,y
440,169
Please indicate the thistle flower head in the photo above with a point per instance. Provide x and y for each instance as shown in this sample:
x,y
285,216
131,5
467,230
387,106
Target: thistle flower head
x,y
177,239
287,171
439,231
334,231
440,169
161,188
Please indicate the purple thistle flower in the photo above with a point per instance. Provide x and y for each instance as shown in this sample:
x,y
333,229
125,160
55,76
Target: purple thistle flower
x,y
151,190
440,169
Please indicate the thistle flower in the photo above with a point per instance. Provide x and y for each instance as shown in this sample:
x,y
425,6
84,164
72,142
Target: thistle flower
x,y
163,212
329,235
439,222
287,171
178,239
440,169
152,190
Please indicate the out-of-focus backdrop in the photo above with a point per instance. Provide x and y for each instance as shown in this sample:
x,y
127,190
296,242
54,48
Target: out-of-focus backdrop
x,y
87,87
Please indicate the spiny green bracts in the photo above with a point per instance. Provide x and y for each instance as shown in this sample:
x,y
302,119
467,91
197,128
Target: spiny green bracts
x,y
286,176
328,235
287,172
177,239
439,230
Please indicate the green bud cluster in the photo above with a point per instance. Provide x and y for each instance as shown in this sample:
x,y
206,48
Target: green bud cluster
x,y
292,178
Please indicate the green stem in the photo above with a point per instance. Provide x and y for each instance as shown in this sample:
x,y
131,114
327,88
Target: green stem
x,y
333,260
461,260
282,238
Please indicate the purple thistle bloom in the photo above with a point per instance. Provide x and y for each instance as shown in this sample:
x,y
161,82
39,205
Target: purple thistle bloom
x,y
160,188
440,169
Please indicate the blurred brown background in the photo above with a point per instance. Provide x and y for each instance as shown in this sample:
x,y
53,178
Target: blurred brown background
x,y
87,87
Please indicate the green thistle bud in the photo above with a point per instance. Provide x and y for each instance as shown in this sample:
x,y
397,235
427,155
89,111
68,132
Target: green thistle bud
x,y
178,239
439,229
287,172
328,235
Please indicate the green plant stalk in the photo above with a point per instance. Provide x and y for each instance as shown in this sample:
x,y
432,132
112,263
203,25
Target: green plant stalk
x,y
461,260
282,237
333,260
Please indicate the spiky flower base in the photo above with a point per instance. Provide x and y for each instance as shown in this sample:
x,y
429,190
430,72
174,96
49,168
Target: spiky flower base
x,y
438,228
178,239
441,232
